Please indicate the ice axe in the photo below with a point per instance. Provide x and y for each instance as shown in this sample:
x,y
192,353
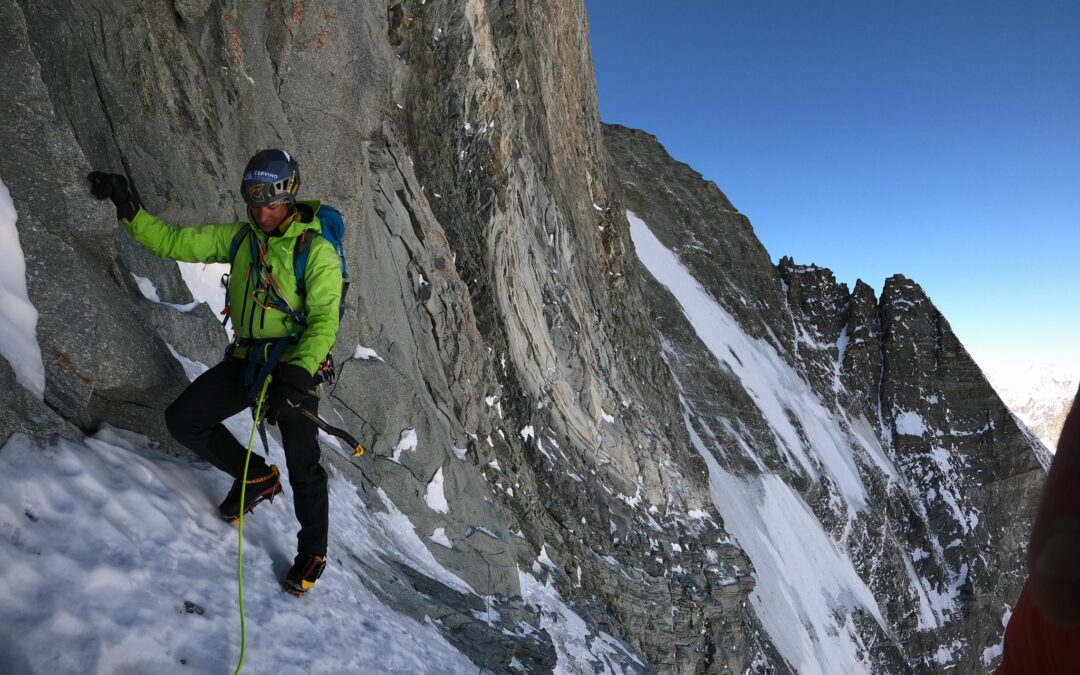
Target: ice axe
x,y
357,447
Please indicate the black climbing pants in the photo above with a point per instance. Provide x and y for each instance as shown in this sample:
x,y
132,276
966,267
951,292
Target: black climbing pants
x,y
195,420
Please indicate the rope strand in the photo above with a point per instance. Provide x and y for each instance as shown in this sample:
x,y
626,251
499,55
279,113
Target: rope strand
x,y
240,552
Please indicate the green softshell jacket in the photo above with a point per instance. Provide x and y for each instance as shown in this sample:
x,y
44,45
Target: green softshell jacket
x,y
211,244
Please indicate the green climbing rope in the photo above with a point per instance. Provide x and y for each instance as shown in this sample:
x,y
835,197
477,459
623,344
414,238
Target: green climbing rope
x,y
240,553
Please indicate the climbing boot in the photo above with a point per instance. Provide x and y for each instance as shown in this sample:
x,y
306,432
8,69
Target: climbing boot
x,y
303,574
266,486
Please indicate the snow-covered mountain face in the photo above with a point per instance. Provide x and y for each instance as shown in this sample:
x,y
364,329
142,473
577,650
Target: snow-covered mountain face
x,y
880,487
1040,396
580,459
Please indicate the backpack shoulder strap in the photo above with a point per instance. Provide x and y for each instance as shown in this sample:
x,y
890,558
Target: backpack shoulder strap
x,y
301,252
237,239
234,247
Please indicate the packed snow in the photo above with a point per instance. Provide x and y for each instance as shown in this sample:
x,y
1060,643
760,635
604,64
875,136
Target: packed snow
x,y
18,316
113,559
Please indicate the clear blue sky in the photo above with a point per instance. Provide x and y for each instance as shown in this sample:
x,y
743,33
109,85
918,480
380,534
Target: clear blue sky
x,y
936,139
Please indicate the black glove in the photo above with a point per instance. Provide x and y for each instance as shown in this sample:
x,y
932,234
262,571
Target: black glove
x,y
289,393
115,187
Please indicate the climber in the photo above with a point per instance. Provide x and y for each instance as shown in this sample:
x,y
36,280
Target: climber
x,y
282,326
1043,635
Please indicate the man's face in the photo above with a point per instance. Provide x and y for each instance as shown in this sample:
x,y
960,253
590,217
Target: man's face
x,y
268,218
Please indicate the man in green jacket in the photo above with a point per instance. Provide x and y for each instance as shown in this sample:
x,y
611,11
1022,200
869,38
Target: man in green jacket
x,y
276,329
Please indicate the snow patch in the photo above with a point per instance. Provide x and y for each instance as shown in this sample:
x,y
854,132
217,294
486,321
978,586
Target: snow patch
x,y
841,351
363,353
406,441
439,537
910,423
543,451
192,369
204,282
149,291
435,496
991,653
579,649
18,316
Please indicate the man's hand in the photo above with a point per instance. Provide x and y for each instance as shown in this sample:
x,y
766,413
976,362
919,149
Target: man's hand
x,y
115,187
289,392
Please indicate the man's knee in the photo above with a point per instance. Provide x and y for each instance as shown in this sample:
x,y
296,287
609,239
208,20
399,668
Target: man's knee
x,y
179,420
308,478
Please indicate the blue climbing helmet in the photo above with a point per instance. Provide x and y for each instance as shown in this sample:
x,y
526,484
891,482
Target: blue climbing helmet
x,y
270,177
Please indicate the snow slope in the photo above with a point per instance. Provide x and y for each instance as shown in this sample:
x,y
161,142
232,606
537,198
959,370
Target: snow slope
x,y
807,586
775,386
113,560
104,543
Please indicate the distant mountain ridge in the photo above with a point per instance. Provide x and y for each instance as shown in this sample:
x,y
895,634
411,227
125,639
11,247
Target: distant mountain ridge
x,y
1040,395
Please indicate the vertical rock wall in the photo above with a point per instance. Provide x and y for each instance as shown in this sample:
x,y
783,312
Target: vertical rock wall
x,y
507,141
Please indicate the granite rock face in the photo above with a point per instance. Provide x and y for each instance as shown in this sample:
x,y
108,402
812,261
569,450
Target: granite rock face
x,y
554,389
492,273
945,481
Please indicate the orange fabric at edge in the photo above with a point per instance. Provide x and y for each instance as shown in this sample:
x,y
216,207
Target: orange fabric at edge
x,y
1036,646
